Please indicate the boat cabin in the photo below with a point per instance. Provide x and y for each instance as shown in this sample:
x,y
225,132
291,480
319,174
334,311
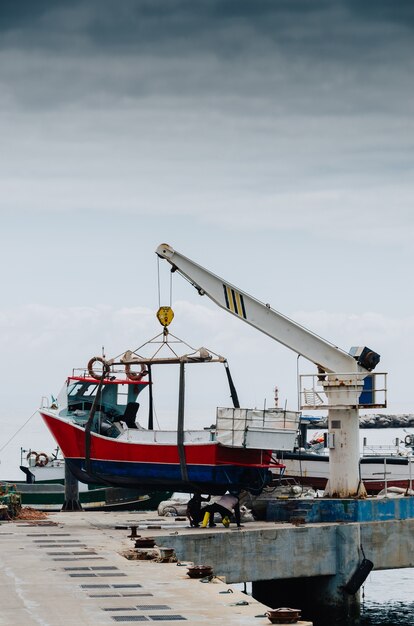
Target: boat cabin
x,y
117,403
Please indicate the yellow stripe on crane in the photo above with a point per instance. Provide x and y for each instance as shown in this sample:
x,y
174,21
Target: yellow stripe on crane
x,y
239,304
234,301
229,300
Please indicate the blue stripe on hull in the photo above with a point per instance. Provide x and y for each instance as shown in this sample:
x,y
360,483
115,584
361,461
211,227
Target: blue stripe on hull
x,y
156,475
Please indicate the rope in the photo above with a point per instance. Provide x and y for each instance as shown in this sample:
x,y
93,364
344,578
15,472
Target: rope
x,y
362,551
159,284
17,431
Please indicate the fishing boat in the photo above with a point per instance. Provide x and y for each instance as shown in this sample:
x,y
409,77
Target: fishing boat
x,y
381,467
44,488
94,422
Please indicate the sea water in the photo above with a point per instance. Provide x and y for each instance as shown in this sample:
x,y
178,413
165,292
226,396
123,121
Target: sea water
x,y
387,598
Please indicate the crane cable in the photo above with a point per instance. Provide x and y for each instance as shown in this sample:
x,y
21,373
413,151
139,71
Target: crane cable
x,y
159,284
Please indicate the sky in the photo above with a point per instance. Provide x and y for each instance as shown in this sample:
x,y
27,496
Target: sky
x,y
271,141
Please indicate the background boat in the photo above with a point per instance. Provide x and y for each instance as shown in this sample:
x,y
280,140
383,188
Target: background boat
x,y
44,488
381,466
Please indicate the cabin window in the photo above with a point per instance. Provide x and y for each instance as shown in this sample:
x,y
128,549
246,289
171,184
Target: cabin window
x,y
74,389
90,390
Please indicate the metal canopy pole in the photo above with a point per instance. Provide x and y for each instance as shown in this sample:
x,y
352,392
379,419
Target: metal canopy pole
x,y
180,424
150,400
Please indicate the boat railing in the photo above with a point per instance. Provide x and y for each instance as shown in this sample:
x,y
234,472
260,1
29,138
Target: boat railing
x,y
387,474
168,437
323,390
44,403
378,450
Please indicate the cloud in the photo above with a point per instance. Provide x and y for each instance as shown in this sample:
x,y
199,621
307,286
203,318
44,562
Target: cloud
x,y
47,342
282,114
296,109
96,52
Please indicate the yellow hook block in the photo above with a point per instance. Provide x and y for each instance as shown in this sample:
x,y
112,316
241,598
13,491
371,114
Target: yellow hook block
x,y
165,315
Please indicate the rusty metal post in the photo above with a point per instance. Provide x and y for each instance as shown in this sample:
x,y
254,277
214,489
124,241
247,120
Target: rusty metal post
x,y
71,502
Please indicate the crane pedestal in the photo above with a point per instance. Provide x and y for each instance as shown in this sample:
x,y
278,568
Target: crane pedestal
x,y
343,440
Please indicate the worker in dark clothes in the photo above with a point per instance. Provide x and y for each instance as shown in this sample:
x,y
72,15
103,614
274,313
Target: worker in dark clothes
x,y
194,509
227,506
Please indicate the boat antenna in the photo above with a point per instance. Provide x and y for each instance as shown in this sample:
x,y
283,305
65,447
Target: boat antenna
x,y
276,396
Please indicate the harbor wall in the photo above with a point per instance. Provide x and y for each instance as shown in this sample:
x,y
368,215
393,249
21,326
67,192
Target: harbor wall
x,y
302,565
286,551
378,420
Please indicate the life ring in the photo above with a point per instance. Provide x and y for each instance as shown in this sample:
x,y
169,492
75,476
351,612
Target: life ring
x,y
91,363
135,375
42,459
31,454
409,440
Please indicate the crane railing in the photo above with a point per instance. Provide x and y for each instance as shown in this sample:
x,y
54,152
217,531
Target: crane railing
x,y
316,391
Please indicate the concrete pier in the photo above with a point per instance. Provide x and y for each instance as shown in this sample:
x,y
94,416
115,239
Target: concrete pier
x,y
70,570
321,598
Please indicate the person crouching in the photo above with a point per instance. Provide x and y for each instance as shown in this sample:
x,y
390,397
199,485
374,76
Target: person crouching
x,y
226,506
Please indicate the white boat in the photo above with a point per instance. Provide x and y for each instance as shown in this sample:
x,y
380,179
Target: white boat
x,y
380,467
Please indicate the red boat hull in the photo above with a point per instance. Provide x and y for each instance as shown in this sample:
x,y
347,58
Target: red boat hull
x,y
209,467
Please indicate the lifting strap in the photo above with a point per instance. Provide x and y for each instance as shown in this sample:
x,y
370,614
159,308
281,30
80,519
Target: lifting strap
x,y
89,423
233,391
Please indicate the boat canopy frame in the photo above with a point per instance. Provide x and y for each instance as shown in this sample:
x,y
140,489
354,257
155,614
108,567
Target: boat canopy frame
x,y
202,355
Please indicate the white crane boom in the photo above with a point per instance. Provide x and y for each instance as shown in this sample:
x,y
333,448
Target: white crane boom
x,y
287,332
343,375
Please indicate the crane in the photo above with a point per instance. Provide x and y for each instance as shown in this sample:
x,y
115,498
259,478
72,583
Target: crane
x,y
342,374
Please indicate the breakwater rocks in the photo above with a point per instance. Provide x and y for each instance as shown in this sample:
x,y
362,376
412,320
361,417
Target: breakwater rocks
x,y
377,420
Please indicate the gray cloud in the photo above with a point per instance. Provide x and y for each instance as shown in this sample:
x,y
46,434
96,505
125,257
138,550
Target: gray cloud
x,y
263,36
295,108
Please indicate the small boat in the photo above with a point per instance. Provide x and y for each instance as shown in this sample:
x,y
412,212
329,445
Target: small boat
x,y
93,420
44,488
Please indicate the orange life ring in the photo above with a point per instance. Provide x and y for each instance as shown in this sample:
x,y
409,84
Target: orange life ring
x,y
135,375
91,363
30,454
42,459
